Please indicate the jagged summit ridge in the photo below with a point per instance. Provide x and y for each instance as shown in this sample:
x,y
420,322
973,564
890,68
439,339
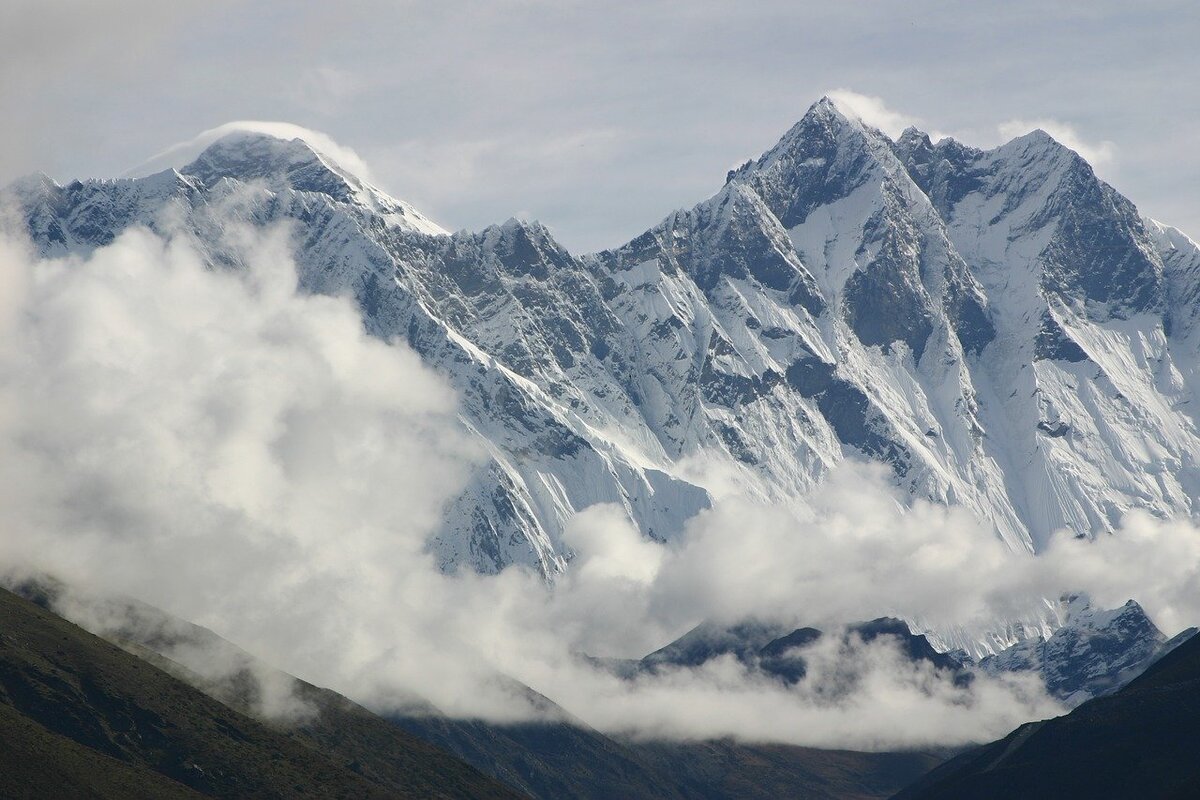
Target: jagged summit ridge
x,y
998,326
300,165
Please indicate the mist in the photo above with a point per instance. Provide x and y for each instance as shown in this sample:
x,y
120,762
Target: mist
x,y
244,456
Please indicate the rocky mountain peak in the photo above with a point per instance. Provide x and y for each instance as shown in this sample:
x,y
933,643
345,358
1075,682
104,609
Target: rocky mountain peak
x,y
824,157
295,164
1094,652
280,163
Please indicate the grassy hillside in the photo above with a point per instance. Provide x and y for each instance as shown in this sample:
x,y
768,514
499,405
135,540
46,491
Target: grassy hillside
x,y
418,753
82,717
1140,742
560,760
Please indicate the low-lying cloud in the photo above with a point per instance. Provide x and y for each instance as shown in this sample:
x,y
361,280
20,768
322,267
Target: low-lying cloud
x,y
246,457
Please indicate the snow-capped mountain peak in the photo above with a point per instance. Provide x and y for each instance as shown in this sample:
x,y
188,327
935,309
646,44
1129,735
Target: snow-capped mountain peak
x,y
998,326
279,163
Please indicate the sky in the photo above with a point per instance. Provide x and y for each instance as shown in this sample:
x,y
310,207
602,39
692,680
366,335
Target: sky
x,y
596,118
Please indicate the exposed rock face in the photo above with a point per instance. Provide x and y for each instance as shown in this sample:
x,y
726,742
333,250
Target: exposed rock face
x,y
1095,652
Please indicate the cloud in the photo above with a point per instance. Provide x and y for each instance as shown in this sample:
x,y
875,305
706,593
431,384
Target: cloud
x,y
244,456
607,549
1155,561
865,696
873,111
861,552
218,445
1098,154
183,153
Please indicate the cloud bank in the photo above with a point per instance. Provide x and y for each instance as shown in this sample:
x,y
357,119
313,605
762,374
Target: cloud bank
x,y
243,456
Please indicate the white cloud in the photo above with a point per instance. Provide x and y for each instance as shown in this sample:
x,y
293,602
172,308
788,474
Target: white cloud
x,y
608,549
873,111
1156,562
216,444
855,695
1098,154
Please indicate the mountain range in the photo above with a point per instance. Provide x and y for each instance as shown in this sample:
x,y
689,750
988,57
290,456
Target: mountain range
x,y
999,327
1093,652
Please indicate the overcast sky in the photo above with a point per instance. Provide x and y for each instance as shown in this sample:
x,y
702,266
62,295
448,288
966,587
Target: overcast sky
x,y
597,118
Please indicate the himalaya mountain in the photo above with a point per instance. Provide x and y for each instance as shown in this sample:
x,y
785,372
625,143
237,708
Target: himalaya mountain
x,y
1000,327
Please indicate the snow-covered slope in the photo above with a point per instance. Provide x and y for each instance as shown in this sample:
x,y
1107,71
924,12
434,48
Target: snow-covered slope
x,y
1081,385
1094,652
1000,327
816,308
